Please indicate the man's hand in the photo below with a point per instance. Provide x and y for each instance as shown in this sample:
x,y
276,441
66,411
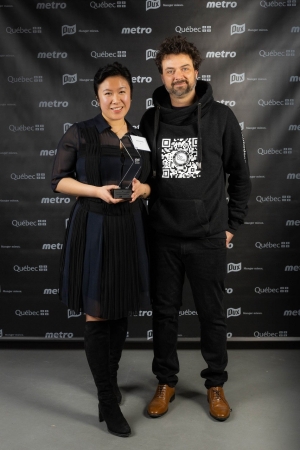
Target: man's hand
x,y
229,236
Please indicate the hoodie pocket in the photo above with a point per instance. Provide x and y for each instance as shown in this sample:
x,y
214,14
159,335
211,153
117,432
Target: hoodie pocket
x,y
180,217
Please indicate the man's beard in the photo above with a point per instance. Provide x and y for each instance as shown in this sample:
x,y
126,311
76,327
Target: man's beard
x,y
182,90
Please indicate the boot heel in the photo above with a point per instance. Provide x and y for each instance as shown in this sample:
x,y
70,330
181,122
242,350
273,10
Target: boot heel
x,y
101,418
115,421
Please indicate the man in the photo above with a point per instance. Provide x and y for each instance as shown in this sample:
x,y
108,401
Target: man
x,y
195,141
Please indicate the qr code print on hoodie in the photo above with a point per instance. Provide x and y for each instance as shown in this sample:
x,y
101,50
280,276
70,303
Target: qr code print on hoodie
x,y
179,158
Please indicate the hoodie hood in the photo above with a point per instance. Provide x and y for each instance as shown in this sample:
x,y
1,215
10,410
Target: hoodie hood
x,y
176,116
165,113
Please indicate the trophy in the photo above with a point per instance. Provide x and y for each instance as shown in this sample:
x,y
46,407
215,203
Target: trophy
x,y
131,171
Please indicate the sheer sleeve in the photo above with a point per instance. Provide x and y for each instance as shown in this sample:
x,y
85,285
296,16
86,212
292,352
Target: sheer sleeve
x,y
65,161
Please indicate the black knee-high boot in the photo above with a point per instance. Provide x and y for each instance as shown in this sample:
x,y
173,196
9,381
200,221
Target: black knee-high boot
x,y
97,342
118,333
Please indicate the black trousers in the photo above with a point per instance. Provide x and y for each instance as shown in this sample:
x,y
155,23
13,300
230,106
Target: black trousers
x,y
204,263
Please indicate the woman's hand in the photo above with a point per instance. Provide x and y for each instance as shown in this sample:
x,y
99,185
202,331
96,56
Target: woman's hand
x,y
139,190
70,186
104,192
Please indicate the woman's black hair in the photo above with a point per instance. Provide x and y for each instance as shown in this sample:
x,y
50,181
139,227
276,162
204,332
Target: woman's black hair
x,y
112,70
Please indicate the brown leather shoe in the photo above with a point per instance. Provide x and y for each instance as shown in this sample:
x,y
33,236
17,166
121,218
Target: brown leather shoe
x,y
160,402
218,406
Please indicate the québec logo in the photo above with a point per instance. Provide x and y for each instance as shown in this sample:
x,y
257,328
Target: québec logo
x,y
68,29
34,79
273,151
17,128
271,245
271,199
104,5
237,78
67,78
286,102
21,30
269,290
231,267
25,176
105,54
269,334
275,53
277,4
41,312
231,312
190,29
30,269
237,29
29,223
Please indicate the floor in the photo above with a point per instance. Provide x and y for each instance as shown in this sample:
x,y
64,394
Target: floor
x,y
48,402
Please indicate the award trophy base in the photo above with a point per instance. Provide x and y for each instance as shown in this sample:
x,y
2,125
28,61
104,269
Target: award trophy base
x,y
121,193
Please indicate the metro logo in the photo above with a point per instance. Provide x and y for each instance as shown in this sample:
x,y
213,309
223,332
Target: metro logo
x,y
51,291
52,5
137,30
222,54
221,5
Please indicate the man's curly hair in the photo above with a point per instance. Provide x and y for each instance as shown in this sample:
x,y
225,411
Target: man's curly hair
x,y
175,45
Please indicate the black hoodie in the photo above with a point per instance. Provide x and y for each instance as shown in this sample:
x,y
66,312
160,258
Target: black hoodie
x,y
193,148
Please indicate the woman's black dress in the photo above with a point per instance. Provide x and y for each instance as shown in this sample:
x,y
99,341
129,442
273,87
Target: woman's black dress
x,y
104,265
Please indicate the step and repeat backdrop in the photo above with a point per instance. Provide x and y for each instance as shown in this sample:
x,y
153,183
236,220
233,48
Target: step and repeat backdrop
x,y
49,54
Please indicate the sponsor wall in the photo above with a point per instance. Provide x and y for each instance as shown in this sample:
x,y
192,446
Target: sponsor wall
x,y
50,52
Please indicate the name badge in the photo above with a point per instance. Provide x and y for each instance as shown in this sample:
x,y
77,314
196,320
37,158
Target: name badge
x,y
140,143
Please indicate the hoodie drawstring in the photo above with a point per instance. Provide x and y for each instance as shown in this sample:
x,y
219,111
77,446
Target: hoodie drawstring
x,y
199,149
154,143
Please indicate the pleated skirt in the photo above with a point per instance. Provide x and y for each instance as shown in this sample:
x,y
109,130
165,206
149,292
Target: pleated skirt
x,y
104,269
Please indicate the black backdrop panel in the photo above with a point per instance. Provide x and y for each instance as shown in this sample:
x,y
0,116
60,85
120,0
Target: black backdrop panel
x,y
50,52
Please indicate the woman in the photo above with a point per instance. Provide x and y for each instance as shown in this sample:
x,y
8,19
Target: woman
x,y
104,266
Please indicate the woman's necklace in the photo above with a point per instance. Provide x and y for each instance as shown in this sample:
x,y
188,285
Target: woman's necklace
x,y
118,131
